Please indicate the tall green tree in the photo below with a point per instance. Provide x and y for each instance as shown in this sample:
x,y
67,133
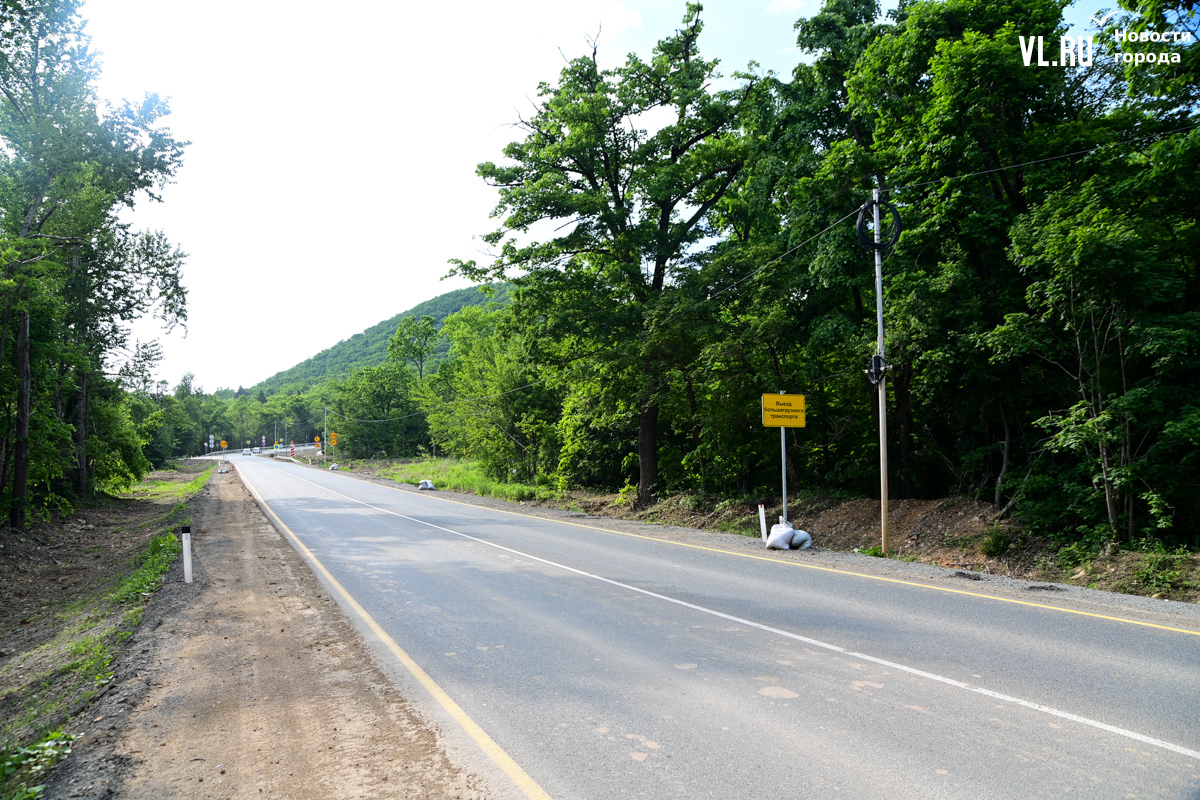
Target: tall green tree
x,y
631,161
67,167
488,402
415,340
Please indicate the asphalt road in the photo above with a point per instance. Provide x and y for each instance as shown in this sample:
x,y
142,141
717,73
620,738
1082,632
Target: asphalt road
x,y
603,663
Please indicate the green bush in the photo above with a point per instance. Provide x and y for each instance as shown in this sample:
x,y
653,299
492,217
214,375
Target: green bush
x,y
995,542
1074,555
1163,571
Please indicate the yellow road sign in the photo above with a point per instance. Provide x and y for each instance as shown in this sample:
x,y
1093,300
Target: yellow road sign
x,y
333,438
783,410
223,443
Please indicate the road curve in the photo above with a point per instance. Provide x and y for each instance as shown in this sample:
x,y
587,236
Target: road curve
x,y
602,664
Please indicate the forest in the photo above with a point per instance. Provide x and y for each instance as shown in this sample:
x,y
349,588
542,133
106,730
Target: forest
x,y
1041,303
72,275
670,243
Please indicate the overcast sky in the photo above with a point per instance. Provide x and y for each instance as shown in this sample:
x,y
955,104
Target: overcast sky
x,y
331,171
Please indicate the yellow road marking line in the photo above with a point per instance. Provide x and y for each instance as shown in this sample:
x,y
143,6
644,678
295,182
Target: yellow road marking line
x,y
503,760
814,566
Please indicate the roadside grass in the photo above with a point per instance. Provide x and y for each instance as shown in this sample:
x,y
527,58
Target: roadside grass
x,y
465,476
166,490
1143,567
43,688
21,765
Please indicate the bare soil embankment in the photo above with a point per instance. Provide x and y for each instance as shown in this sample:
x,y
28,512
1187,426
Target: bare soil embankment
x,y
249,682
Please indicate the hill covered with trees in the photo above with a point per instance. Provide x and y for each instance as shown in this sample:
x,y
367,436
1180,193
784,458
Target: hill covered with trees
x,y
369,348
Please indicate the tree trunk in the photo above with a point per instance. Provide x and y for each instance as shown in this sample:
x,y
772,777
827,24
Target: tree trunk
x,y
647,453
1007,452
81,437
16,512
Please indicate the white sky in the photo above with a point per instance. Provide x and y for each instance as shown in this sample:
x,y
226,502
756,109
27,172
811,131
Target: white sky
x,y
331,171
332,167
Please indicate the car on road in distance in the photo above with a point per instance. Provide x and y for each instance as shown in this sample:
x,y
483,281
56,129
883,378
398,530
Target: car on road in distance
x,y
257,450
246,452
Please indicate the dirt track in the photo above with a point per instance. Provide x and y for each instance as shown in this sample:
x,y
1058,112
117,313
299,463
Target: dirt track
x,y
250,682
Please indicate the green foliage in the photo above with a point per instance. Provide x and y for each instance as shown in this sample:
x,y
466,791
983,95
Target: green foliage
x,y
466,476
995,542
626,495
1075,554
415,340
153,566
487,404
375,413
20,766
631,203
72,276
1163,571
370,348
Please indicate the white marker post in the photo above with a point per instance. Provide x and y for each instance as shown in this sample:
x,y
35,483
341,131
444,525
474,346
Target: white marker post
x,y
186,536
762,521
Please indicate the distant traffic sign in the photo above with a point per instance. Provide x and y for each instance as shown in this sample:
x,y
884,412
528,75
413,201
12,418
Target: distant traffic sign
x,y
224,443
783,410
333,438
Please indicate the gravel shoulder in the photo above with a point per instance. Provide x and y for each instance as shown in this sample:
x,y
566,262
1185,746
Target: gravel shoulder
x,y
250,682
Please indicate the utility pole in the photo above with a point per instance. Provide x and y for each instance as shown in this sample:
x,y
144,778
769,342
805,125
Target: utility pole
x,y
882,385
877,374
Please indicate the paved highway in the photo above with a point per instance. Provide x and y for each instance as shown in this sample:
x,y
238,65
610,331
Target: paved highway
x,y
592,663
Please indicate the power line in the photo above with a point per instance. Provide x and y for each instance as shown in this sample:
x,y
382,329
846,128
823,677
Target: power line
x,y
1148,137
823,231
458,400
777,259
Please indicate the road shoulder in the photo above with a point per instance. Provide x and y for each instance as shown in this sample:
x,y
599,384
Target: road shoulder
x,y
251,682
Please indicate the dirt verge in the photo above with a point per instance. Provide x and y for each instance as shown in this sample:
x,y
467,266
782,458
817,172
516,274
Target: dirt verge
x,y
250,682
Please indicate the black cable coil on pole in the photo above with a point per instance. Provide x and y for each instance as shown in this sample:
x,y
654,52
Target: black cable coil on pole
x,y
864,214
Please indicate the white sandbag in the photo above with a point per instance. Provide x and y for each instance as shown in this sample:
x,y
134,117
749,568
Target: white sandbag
x,y
425,485
780,537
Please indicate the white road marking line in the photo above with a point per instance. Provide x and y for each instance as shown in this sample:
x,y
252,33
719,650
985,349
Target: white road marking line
x,y
489,746
797,637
